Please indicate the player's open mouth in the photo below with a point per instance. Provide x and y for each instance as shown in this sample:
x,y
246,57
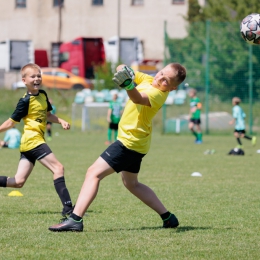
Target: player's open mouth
x,y
36,85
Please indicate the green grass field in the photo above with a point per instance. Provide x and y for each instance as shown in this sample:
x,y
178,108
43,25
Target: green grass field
x,y
218,212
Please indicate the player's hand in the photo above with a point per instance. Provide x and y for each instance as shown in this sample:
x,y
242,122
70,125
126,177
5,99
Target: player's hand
x,y
65,125
124,78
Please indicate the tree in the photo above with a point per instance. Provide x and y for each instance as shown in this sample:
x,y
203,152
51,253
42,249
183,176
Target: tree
x,y
229,10
194,12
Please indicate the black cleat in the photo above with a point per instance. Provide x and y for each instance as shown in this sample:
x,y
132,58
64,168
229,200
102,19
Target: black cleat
x,y
68,224
171,222
67,211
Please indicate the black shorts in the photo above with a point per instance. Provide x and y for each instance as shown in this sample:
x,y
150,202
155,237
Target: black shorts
x,y
5,145
36,153
122,159
49,123
240,131
195,121
113,126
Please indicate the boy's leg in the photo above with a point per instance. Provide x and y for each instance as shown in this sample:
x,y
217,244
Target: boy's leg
x,y
99,170
147,196
49,132
191,125
109,136
199,133
115,135
142,192
51,162
253,139
95,173
237,135
24,169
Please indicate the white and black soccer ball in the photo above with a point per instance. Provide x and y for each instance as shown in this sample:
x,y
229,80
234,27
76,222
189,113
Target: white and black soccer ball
x,y
250,28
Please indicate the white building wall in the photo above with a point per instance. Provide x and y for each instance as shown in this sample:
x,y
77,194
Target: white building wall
x,y
39,22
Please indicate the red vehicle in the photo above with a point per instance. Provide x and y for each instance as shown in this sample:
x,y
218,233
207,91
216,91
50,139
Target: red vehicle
x,y
81,55
41,58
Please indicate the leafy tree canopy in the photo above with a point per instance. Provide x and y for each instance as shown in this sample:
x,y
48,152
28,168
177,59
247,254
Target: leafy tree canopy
x,y
222,10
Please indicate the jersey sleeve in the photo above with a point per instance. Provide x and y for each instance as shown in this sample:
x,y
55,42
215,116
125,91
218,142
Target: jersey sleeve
x,y
21,110
49,106
142,77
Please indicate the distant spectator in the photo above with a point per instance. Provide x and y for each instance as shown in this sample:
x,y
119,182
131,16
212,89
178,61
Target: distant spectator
x,y
12,139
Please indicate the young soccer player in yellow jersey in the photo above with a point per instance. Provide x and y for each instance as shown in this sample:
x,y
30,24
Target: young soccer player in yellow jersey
x,y
34,108
133,142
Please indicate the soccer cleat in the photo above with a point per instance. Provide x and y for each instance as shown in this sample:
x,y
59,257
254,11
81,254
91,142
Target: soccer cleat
x,y
67,211
198,142
253,141
68,224
171,222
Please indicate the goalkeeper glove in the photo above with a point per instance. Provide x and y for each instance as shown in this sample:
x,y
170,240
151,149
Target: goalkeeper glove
x,y
124,78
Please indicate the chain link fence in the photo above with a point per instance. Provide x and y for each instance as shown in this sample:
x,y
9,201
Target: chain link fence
x,y
220,65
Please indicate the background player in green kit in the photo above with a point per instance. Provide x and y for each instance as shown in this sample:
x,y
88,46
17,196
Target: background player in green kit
x,y
125,155
195,109
49,124
34,108
113,118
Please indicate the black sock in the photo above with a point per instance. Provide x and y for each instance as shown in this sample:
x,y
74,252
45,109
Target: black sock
x,y
3,181
75,217
165,215
248,137
49,132
63,192
239,142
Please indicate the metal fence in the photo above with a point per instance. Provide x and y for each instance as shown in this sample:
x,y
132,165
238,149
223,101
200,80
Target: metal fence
x,y
220,65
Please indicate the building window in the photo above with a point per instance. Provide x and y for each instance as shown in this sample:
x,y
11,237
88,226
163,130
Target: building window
x,y
58,2
20,3
137,2
97,2
178,2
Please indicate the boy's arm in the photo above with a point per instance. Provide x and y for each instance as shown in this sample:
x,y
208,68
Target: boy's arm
x,y
231,122
134,94
54,119
109,112
7,125
138,98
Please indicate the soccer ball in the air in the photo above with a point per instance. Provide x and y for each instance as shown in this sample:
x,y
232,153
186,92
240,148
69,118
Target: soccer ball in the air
x,y
250,28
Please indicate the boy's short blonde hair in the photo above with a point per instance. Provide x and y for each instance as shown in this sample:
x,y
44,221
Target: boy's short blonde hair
x,y
29,66
180,72
236,100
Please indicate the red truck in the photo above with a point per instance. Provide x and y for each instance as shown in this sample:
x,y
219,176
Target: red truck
x,y
81,55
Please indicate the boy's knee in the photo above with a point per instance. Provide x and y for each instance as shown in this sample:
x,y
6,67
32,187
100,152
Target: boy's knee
x,y
19,183
60,168
129,184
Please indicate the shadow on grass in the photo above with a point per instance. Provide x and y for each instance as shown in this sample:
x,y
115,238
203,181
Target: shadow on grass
x,y
44,212
190,228
177,230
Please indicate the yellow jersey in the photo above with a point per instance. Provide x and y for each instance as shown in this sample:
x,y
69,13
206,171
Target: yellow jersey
x,y
33,110
135,126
